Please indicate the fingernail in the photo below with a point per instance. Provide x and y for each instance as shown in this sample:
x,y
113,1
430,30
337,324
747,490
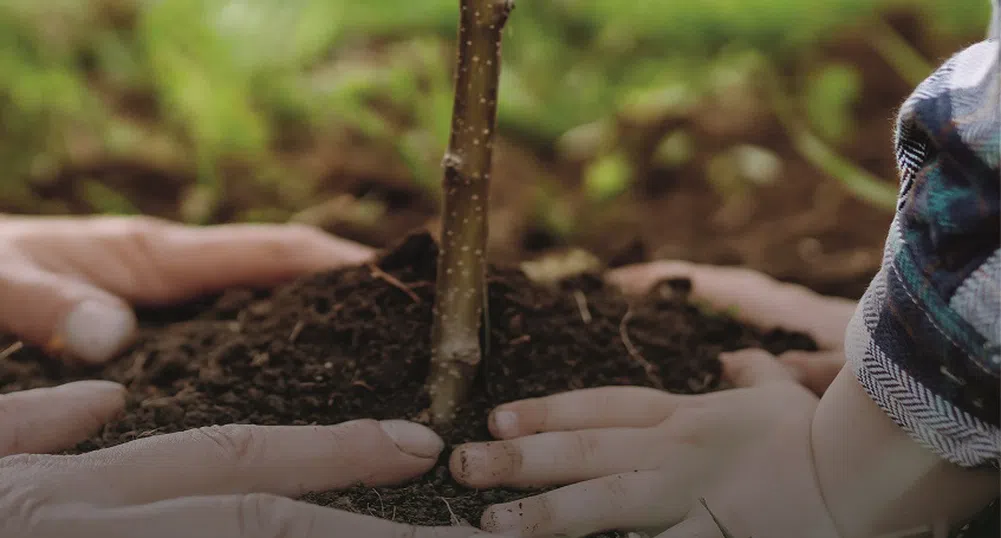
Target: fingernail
x,y
506,423
413,439
94,331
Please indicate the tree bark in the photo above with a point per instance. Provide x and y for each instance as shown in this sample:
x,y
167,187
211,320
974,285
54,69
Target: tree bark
x,y
460,298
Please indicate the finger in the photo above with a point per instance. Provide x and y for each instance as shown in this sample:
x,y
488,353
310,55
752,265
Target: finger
x,y
603,407
815,371
235,516
624,501
63,314
283,460
753,367
147,260
51,419
555,458
751,296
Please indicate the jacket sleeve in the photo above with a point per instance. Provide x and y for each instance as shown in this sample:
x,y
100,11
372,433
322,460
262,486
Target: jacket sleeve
x,y
924,341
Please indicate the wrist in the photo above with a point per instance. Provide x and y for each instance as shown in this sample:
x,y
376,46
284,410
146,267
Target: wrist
x,y
874,479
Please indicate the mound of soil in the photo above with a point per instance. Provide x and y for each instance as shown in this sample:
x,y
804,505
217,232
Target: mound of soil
x,y
354,343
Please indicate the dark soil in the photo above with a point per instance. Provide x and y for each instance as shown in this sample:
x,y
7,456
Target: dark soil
x,y
350,344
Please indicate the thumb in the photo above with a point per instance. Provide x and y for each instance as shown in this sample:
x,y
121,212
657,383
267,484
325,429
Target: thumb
x,y
51,419
753,367
63,314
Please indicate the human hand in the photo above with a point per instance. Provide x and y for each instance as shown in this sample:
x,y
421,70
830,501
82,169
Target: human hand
x,y
67,283
760,300
640,459
217,482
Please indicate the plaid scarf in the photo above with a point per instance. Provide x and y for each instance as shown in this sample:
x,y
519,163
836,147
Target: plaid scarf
x,y
924,341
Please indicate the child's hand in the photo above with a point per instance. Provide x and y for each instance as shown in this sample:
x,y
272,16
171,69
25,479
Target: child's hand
x,y
765,302
640,459
67,283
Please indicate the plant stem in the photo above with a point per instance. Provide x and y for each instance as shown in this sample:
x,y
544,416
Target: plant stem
x,y
859,182
460,296
902,57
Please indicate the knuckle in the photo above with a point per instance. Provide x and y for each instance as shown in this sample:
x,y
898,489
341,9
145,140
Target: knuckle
x,y
585,446
234,441
270,516
513,457
690,425
541,410
543,516
658,402
140,239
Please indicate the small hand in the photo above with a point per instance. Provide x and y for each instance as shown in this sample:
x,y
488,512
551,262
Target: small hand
x,y
217,482
640,459
68,283
760,300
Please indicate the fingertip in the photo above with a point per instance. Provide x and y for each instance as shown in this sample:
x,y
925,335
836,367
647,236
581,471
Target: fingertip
x,y
107,397
95,331
458,465
501,518
413,439
503,423
329,249
70,413
469,464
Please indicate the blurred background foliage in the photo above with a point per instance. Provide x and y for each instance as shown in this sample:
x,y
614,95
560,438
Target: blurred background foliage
x,y
177,107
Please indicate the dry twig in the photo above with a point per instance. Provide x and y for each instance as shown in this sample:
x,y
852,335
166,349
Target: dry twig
x,y
299,325
11,349
652,374
456,520
585,313
393,281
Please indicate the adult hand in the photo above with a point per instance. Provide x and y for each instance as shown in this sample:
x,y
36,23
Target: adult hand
x,y
68,283
760,300
640,459
217,482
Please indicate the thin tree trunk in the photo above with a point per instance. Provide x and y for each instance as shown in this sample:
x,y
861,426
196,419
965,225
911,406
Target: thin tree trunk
x,y
460,299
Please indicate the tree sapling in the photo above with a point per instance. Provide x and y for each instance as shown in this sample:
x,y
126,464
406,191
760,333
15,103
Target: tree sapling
x,y
460,295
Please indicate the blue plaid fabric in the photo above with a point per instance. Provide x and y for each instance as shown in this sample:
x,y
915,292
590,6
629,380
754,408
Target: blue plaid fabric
x,y
924,341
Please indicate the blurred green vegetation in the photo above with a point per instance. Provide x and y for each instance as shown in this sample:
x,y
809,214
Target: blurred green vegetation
x,y
198,85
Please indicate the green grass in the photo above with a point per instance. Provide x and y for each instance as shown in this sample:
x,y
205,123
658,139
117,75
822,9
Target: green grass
x,y
227,77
